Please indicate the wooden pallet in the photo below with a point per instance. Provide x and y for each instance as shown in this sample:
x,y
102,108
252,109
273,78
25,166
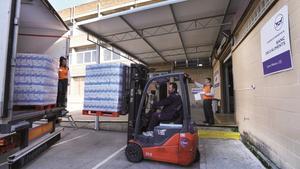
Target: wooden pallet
x,y
100,113
33,107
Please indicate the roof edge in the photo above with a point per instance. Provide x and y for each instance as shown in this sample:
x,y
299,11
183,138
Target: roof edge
x,y
138,9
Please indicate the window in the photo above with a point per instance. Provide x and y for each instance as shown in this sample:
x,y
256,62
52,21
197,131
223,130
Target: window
x,y
107,55
79,58
87,57
83,57
93,56
116,54
111,55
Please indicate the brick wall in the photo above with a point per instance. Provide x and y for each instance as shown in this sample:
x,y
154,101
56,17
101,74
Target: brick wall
x,y
270,114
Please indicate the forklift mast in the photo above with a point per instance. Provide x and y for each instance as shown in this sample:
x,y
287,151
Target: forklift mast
x,y
136,81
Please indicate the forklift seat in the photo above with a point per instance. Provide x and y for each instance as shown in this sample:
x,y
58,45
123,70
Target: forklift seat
x,y
178,118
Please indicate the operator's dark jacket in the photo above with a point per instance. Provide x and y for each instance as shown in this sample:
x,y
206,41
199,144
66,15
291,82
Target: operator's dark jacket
x,y
171,105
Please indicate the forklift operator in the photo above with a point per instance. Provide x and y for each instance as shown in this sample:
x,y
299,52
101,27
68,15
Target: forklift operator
x,y
169,111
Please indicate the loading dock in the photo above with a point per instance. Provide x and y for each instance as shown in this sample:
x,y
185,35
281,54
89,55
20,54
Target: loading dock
x,y
175,36
254,107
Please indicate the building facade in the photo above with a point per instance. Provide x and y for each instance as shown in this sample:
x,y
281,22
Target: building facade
x,y
266,105
83,51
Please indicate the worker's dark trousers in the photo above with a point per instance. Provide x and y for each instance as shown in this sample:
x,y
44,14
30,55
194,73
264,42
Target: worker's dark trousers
x,y
62,92
208,113
156,118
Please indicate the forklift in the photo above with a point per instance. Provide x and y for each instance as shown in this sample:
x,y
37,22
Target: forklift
x,y
174,141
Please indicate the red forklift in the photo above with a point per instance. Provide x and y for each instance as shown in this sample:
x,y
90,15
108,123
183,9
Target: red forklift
x,y
174,141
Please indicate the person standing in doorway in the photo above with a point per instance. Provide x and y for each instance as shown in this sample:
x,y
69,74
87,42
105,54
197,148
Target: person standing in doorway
x,y
62,82
207,95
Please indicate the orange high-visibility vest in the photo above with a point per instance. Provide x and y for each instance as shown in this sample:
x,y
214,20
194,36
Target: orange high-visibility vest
x,y
206,89
63,73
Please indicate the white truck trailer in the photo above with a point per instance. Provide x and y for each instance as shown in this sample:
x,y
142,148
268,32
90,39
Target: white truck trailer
x,y
27,26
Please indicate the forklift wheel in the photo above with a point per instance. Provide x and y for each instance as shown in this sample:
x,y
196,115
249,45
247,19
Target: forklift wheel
x,y
134,153
197,156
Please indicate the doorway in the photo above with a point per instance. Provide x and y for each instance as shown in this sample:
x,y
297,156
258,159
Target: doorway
x,y
228,87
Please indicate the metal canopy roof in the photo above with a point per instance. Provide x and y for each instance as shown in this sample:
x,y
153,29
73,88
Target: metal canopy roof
x,y
173,30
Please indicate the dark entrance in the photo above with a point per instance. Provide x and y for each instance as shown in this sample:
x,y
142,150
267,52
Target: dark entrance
x,y
228,87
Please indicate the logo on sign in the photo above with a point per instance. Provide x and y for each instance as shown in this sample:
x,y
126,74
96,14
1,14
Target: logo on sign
x,y
278,22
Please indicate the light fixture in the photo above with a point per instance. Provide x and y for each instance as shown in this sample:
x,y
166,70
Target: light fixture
x,y
200,65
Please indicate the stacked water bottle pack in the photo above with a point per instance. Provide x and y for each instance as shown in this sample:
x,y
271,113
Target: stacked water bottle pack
x,y
36,80
103,89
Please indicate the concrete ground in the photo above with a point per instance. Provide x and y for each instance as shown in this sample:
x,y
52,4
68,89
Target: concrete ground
x,y
79,149
226,154
89,149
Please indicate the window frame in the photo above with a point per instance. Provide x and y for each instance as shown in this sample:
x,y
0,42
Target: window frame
x,y
93,57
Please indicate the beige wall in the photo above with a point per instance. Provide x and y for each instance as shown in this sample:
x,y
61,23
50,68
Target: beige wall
x,y
80,40
76,94
270,113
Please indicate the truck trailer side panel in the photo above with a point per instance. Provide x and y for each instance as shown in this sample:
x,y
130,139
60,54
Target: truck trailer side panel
x,y
26,27
8,13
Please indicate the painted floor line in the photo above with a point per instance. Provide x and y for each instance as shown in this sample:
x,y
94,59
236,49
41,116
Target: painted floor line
x,y
219,134
108,158
63,142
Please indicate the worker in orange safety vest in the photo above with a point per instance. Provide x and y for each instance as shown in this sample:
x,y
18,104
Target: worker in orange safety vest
x,y
208,96
62,82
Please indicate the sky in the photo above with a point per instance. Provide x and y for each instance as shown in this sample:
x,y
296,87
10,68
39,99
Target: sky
x,y
62,4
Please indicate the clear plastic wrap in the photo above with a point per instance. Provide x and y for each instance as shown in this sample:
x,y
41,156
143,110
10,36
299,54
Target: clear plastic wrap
x,y
104,87
36,79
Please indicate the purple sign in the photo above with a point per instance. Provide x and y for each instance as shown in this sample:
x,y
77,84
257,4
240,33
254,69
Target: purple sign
x,y
275,43
280,62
